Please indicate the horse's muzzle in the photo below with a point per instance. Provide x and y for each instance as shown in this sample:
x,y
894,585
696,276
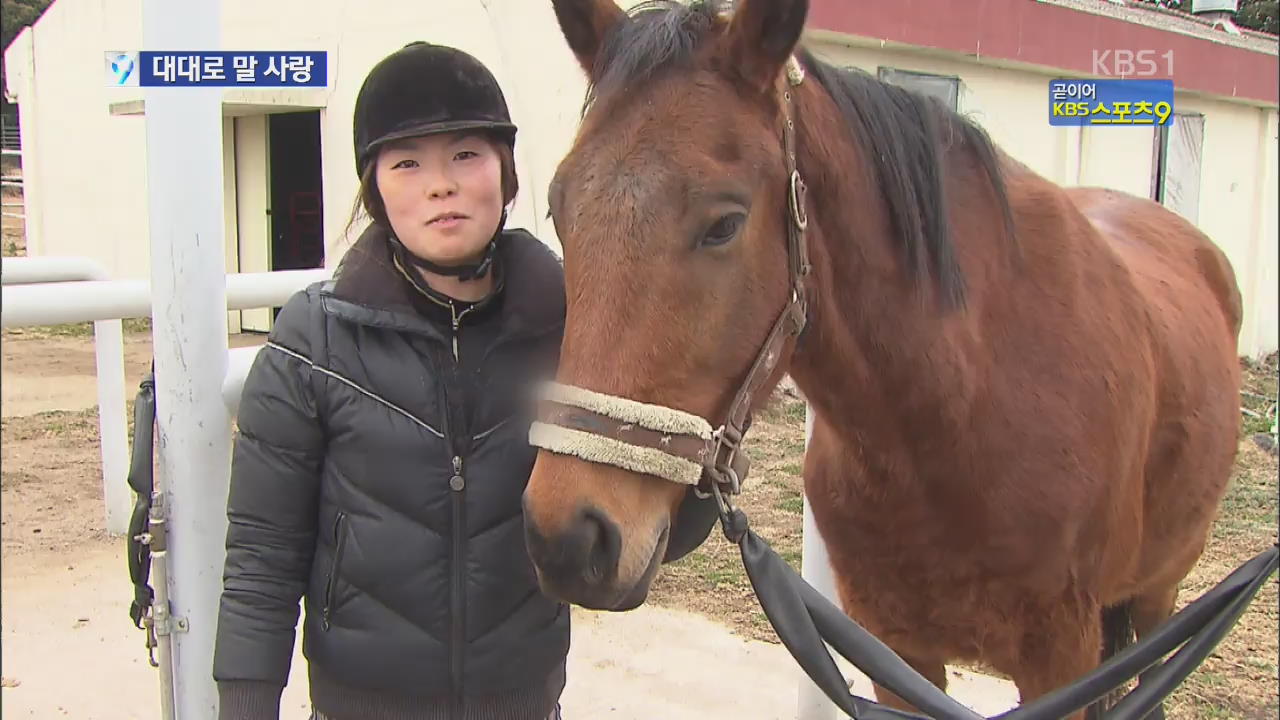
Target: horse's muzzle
x,y
579,565
581,559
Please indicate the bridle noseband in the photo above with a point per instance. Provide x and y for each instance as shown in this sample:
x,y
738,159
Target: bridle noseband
x,y
673,444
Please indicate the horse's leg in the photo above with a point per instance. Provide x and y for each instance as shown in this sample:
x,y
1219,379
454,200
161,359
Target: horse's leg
x,y
935,671
1150,610
1060,644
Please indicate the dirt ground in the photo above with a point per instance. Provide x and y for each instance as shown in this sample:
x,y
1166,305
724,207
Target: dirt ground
x,y
52,491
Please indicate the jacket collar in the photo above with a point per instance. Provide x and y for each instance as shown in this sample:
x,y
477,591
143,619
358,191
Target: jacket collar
x,y
369,289
441,308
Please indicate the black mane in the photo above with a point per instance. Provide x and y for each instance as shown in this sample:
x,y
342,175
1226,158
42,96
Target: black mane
x,y
905,134
658,36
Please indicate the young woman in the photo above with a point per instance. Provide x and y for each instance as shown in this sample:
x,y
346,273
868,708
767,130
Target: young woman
x,y
382,452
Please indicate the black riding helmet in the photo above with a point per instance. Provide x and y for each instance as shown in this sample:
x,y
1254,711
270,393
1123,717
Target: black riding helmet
x,y
423,89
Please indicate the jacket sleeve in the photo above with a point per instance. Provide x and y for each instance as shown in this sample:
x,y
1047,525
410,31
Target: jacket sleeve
x,y
271,513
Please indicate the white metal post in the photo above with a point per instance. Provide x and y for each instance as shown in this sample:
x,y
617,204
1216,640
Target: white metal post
x,y
188,285
113,431
815,568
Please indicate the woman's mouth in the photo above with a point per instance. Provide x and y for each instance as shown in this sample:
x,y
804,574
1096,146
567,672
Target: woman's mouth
x,y
446,220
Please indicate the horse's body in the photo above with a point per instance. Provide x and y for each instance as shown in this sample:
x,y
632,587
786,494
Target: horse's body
x,y
1066,452
1024,434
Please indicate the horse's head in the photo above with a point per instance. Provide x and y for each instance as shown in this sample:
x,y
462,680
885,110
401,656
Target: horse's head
x,y
672,208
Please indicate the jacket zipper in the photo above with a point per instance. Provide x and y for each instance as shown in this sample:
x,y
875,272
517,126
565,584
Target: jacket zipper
x,y
458,488
453,312
458,484
339,542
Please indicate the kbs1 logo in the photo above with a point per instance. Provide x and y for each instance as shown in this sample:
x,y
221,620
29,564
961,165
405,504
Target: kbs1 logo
x,y
1076,103
221,68
1133,63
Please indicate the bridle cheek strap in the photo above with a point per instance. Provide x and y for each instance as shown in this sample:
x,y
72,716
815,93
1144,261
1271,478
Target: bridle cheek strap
x,y
673,444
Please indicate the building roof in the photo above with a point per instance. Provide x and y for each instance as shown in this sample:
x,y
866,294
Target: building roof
x,y
1066,38
1152,15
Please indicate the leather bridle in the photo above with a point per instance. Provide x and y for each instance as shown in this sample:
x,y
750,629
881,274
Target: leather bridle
x,y
670,443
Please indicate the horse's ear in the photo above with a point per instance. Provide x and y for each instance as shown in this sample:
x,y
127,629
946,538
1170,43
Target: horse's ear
x,y
762,35
585,23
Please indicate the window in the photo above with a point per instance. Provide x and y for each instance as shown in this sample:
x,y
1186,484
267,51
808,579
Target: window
x,y
943,87
1175,176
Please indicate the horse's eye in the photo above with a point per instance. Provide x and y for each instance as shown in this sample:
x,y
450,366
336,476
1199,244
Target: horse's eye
x,y
724,230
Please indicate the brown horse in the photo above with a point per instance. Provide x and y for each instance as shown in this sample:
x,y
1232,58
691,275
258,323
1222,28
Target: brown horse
x,y
1025,397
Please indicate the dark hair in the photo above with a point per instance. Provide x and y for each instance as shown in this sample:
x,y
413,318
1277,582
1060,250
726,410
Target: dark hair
x,y
369,201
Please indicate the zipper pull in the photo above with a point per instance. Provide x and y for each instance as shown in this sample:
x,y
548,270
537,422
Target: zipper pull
x,y
457,482
453,310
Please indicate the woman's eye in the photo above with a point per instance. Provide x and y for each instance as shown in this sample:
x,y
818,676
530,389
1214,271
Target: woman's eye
x,y
466,155
724,230
403,164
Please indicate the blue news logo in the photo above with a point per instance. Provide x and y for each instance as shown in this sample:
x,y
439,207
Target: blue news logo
x,y
223,68
1074,103
122,69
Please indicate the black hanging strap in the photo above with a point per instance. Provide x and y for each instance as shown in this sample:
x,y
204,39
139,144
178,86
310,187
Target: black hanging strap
x,y
141,480
804,619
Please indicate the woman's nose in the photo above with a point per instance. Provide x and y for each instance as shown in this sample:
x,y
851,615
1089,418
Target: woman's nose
x,y
442,188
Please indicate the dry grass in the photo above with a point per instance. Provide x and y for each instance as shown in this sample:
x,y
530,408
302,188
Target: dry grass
x,y
1238,682
13,231
1259,397
130,326
711,579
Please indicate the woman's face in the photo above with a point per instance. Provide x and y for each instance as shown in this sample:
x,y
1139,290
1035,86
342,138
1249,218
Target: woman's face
x,y
442,194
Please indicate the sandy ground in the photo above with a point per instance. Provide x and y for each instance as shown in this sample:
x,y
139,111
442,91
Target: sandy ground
x,y
65,614
70,650
62,376
57,381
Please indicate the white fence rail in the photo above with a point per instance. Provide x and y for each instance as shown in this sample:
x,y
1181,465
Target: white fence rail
x,y
55,290
56,302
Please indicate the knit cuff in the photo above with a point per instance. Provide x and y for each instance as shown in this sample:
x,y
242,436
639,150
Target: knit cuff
x,y
248,700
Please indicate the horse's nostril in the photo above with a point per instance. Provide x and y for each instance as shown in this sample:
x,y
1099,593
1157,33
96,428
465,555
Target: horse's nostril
x,y
603,543
534,543
585,554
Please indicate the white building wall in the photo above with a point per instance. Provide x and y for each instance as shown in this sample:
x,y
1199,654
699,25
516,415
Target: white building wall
x,y
84,171
85,167
1119,158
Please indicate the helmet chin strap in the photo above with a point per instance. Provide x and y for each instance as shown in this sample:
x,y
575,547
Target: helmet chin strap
x,y
464,272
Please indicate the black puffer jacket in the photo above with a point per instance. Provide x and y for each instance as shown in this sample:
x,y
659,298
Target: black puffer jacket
x,y
380,478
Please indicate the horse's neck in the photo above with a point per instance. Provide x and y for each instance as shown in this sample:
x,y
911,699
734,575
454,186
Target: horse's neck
x,y
881,355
